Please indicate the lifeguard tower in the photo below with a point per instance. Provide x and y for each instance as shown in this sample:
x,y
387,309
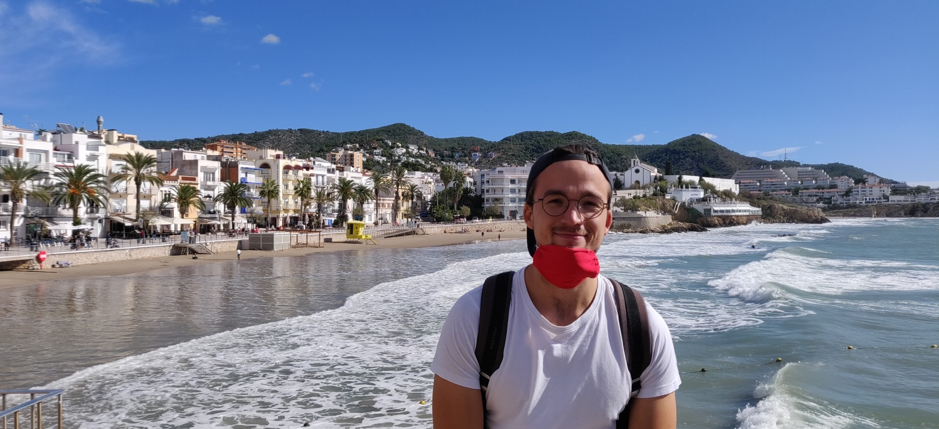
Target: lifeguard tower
x,y
355,230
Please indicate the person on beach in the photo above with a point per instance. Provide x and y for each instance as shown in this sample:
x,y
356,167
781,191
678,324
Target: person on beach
x,y
564,363
238,252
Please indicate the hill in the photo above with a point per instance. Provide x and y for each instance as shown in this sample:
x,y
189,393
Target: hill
x,y
691,155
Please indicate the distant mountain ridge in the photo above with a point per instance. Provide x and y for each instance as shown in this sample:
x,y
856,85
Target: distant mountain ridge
x,y
691,155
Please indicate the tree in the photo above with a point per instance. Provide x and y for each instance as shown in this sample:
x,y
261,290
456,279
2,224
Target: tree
x,y
380,185
361,194
668,168
447,176
270,191
233,195
412,192
140,168
79,184
343,191
304,191
322,197
617,183
187,196
398,179
21,179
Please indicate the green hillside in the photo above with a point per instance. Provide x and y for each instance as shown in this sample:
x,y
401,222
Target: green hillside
x,y
691,155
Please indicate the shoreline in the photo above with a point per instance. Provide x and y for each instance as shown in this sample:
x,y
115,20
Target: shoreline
x,y
23,278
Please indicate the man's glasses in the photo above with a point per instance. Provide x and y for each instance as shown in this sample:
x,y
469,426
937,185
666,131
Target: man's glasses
x,y
588,206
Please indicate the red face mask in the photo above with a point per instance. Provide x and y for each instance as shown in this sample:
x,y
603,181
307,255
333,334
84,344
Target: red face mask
x,y
566,267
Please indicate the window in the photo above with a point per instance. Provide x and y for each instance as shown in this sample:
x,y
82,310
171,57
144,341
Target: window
x,y
513,181
208,177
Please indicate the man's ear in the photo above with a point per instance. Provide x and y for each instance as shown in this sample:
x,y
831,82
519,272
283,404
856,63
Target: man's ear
x,y
527,214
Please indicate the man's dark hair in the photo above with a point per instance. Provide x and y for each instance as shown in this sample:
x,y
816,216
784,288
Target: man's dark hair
x,y
579,152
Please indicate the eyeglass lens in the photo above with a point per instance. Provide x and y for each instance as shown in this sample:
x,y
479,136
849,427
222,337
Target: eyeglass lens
x,y
589,206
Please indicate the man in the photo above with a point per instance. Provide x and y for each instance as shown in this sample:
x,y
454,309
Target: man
x,y
564,364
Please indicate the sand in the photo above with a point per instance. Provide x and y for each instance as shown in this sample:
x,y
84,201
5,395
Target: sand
x,y
26,277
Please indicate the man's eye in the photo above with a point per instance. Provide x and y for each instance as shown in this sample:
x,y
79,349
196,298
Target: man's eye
x,y
591,204
555,201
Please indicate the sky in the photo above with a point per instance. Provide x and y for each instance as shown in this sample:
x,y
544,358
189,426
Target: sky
x,y
855,81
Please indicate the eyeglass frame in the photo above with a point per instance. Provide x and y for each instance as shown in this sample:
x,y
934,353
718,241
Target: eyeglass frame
x,y
579,207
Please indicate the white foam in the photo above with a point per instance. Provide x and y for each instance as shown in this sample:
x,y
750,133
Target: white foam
x,y
820,275
365,363
782,405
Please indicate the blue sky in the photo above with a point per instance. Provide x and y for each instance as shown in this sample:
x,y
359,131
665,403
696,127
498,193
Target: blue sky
x,y
825,81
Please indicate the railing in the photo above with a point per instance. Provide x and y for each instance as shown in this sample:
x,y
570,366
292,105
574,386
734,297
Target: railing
x,y
34,404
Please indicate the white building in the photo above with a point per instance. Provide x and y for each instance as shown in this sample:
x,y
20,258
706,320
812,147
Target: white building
x,y
638,174
504,187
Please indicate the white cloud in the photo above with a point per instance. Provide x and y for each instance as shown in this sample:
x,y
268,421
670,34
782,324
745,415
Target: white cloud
x,y
819,142
315,86
286,82
144,1
308,75
271,39
636,138
211,20
92,1
778,152
708,135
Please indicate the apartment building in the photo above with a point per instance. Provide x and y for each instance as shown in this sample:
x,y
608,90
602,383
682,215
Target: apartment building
x,y
504,188
232,150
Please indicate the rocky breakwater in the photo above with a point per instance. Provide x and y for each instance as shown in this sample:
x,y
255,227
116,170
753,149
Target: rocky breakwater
x,y
781,213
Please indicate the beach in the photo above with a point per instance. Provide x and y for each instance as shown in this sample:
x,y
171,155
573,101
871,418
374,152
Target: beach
x,y
16,278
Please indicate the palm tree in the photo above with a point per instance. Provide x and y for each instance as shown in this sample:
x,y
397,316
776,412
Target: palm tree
x,y
447,176
79,184
380,185
270,191
322,197
412,192
398,179
343,190
234,195
141,168
20,178
361,194
304,191
187,196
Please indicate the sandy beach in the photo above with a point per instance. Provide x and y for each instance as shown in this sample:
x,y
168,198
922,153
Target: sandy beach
x,y
28,277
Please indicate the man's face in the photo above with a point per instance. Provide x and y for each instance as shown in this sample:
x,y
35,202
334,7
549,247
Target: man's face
x,y
574,180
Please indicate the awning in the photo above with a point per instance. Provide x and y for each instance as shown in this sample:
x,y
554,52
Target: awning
x,y
160,221
182,221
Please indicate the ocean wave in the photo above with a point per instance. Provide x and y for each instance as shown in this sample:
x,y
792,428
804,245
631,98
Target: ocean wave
x,y
783,404
803,272
365,363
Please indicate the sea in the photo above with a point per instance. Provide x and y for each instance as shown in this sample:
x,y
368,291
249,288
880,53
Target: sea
x,y
775,326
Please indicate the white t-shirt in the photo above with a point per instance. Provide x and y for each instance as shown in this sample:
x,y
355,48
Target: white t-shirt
x,y
554,376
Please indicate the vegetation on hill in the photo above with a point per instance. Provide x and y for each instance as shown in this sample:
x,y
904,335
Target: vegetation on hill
x,y
691,155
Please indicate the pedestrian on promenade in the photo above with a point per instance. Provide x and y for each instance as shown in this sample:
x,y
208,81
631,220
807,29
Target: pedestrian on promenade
x,y
238,252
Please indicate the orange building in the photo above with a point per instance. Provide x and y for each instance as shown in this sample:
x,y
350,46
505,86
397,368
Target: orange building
x,y
236,150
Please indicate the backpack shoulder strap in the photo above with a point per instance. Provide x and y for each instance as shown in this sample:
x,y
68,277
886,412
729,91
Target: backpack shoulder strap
x,y
493,320
637,343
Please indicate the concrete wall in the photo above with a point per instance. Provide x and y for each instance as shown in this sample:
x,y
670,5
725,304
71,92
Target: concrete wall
x,y
112,255
631,221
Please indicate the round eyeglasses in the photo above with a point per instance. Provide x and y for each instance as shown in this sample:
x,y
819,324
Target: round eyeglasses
x,y
589,206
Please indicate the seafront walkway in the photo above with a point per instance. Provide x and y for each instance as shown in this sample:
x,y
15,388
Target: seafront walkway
x,y
131,248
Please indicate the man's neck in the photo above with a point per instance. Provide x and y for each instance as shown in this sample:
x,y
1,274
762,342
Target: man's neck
x,y
559,306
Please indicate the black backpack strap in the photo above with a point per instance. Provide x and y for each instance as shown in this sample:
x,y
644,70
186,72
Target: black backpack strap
x,y
637,343
493,322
